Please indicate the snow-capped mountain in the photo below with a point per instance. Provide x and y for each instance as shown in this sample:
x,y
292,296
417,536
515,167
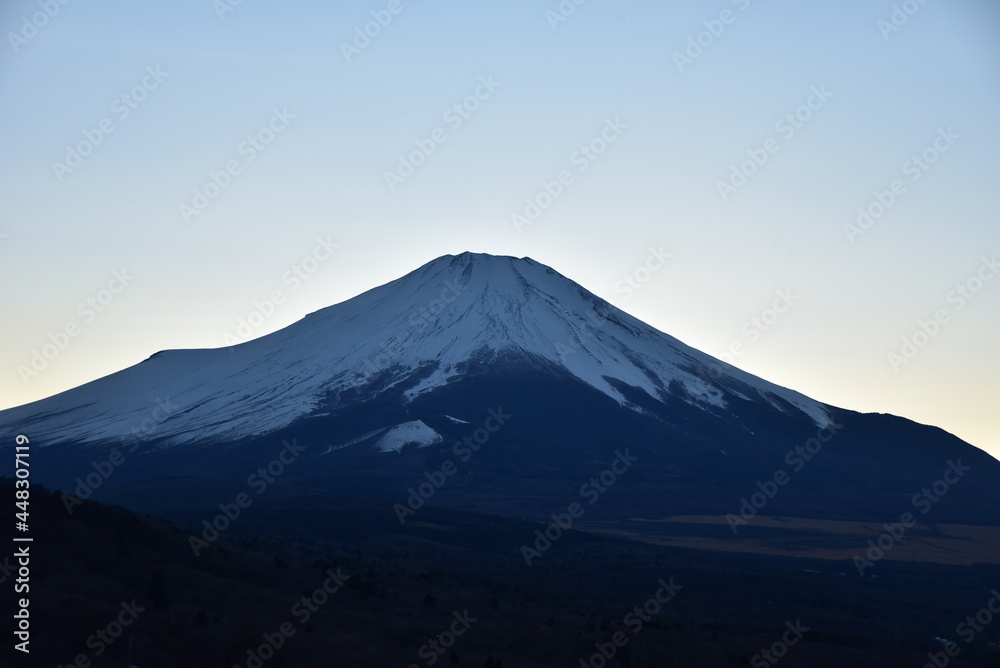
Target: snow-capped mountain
x,y
551,381
421,331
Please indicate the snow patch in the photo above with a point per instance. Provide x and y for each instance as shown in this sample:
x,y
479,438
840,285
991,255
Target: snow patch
x,y
353,441
408,432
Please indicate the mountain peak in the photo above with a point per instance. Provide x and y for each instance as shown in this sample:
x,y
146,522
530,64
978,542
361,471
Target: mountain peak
x,y
472,256
486,262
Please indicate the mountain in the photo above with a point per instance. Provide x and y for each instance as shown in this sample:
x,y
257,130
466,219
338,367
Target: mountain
x,y
420,332
525,386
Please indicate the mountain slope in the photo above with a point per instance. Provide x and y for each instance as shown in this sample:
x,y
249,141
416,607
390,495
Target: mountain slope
x,y
424,329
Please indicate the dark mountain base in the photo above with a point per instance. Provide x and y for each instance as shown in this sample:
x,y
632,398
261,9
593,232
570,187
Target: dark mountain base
x,y
557,435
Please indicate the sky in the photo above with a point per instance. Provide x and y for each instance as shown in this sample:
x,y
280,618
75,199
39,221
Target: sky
x,y
807,190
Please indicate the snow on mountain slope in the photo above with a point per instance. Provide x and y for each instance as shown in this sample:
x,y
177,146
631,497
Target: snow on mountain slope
x,y
408,432
451,311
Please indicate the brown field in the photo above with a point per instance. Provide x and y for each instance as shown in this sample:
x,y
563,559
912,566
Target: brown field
x,y
952,544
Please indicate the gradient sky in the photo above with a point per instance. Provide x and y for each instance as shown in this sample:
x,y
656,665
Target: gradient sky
x,y
893,93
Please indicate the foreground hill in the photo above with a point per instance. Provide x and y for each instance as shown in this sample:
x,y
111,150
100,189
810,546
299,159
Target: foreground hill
x,y
403,587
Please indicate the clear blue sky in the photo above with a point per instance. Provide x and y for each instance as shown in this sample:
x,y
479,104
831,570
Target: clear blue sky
x,y
173,92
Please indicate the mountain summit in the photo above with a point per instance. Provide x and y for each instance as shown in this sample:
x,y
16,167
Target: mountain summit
x,y
454,315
